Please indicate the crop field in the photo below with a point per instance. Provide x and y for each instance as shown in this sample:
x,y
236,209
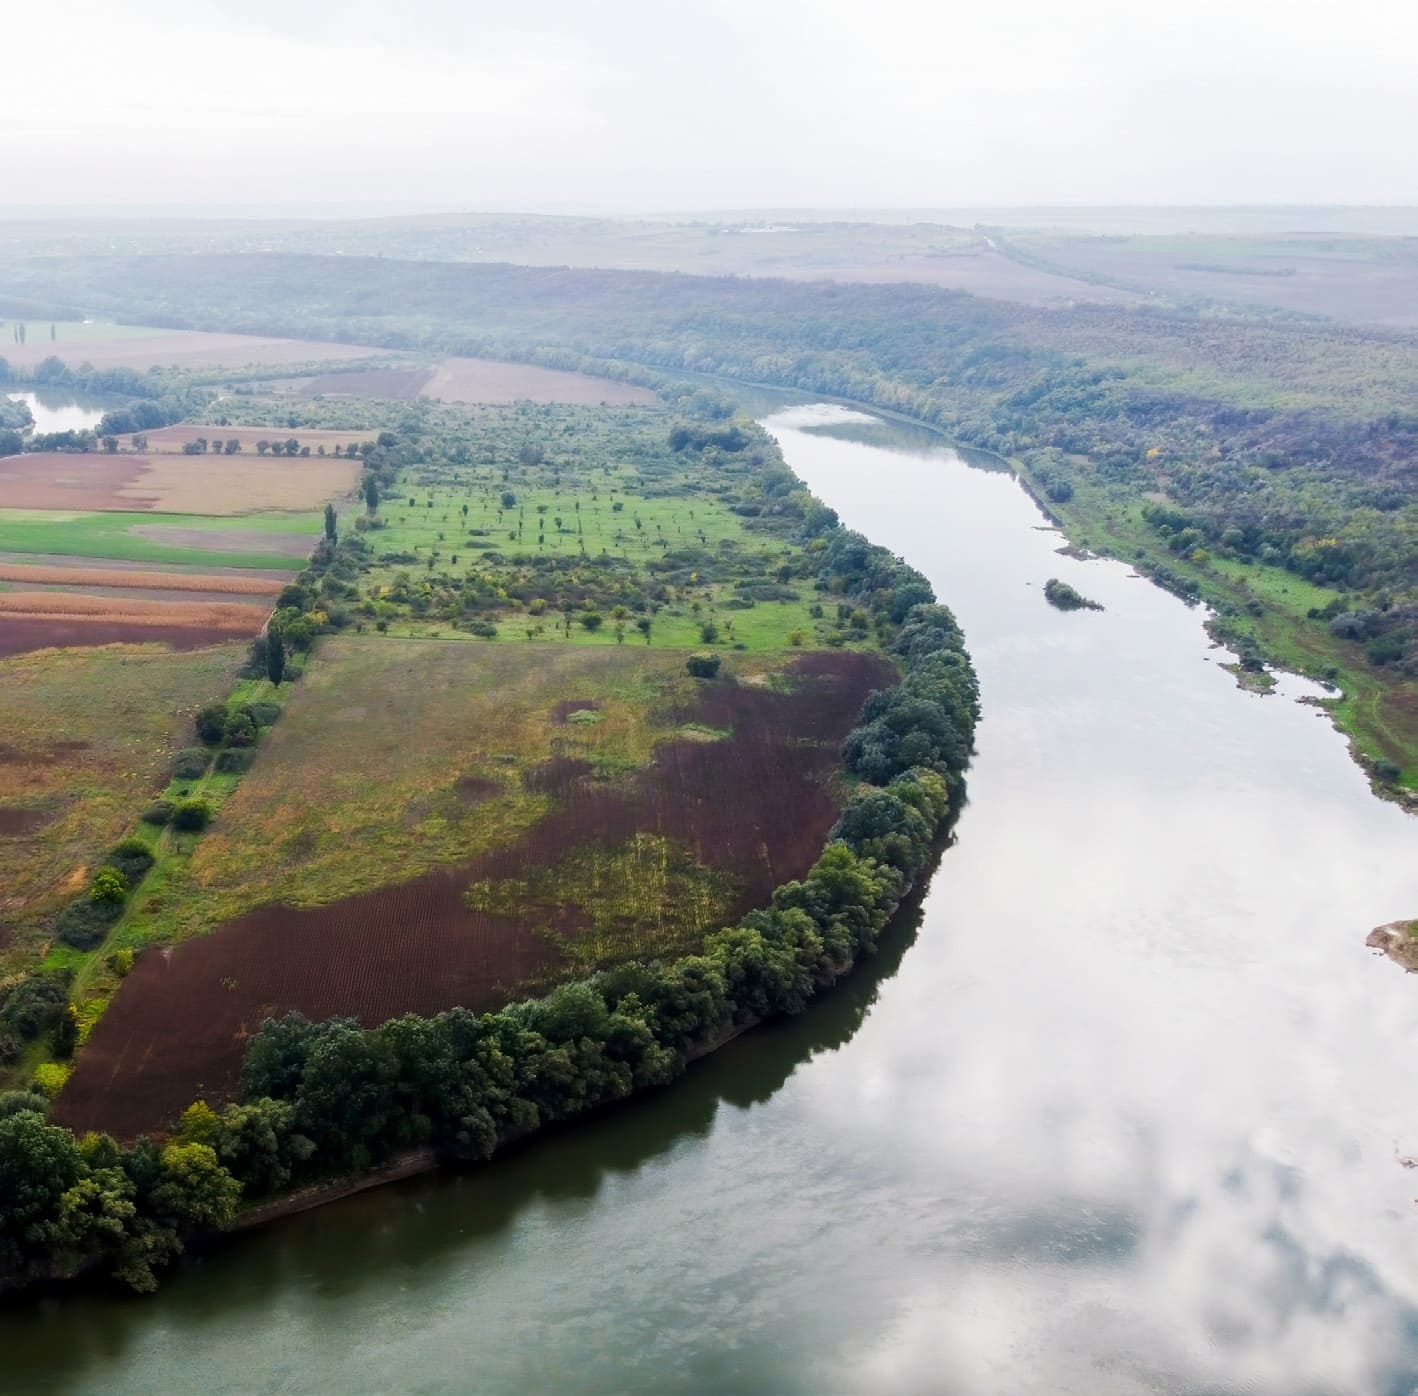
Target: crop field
x,y
488,381
491,381
174,483
171,440
87,737
437,824
273,542
135,346
121,578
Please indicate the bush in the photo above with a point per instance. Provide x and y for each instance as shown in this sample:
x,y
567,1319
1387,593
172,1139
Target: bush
x,y
191,815
159,813
703,666
240,729
483,629
235,760
109,885
132,857
10,1048
211,720
84,923
264,711
36,1004
190,763
49,1078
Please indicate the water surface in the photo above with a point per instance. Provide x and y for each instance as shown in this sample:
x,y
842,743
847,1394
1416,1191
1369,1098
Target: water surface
x,y
1121,1111
54,409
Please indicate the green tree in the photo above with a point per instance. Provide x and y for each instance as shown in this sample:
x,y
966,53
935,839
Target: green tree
x,y
275,656
38,1165
371,493
330,525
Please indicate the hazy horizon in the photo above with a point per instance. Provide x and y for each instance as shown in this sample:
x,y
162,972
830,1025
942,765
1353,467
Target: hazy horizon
x,y
553,108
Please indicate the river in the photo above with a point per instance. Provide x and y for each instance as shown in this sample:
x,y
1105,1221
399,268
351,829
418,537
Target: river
x,y
1121,1109
55,409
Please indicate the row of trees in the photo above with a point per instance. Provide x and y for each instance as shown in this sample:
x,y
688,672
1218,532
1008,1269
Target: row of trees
x,y
324,1098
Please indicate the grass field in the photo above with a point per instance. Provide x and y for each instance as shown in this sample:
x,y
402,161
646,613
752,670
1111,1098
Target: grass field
x,y
87,737
273,541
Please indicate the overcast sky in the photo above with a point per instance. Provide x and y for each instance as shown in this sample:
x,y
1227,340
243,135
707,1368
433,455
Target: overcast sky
x,y
627,105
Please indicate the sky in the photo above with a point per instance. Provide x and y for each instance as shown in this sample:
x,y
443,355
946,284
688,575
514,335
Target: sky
x,y
627,106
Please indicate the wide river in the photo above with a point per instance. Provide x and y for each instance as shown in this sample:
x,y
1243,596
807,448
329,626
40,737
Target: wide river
x,y
1122,1109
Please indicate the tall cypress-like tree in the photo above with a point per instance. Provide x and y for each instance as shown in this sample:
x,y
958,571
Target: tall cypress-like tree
x,y
330,522
275,656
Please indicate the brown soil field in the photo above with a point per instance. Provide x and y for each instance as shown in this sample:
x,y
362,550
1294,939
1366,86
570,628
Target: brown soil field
x,y
70,480
25,634
121,577
185,348
16,821
489,380
393,384
172,483
220,617
178,484
170,440
178,1026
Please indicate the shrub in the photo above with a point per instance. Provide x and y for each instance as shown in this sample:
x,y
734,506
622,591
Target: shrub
x,y
191,815
10,1048
36,1004
483,629
264,711
708,632
132,857
84,923
235,760
191,762
591,620
211,720
121,961
158,813
703,666
49,1078
109,885
240,729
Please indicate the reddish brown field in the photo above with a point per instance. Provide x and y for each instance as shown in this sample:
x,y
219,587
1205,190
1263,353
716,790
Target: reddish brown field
x,y
24,634
71,480
235,617
170,440
132,577
178,1027
393,384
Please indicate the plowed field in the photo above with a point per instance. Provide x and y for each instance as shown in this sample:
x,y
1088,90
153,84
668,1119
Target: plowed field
x,y
173,483
607,843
